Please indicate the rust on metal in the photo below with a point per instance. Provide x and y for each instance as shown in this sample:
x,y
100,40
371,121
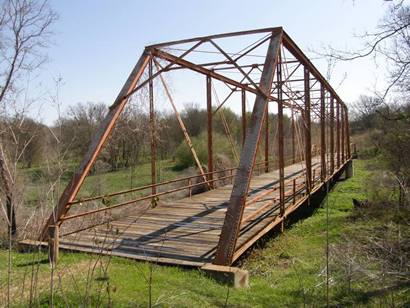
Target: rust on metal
x,y
323,171
317,152
95,147
152,133
230,229
332,135
307,130
281,152
182,125
267,138
243,100
342,138
209,127
337,134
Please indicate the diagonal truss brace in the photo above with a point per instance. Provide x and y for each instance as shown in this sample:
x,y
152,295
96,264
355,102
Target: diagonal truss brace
x,y
95,147
233,217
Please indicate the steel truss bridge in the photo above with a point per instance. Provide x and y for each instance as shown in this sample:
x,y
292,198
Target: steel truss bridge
x,y
240,204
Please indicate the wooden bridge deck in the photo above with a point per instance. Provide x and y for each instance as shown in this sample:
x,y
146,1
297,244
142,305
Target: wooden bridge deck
x,y
186,231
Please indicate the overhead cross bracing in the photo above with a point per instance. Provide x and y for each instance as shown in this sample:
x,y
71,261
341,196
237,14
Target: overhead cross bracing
x,y
262,65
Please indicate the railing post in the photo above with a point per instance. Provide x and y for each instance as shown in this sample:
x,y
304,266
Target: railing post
x,y
209,127
153,133
53,243
189,187
322,135
294,191
308,141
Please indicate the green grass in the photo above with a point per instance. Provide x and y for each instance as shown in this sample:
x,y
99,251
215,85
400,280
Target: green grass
x,y
98,184
289,270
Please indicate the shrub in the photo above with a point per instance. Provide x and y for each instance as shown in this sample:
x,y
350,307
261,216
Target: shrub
x,y
185,159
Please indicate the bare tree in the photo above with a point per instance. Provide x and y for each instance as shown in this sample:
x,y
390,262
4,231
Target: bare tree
x,y
389,41
25,29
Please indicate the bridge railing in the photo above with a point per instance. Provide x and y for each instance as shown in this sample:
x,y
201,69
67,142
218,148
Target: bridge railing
x,y
188,184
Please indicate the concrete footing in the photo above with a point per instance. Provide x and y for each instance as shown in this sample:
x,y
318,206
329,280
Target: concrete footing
x,y
233,276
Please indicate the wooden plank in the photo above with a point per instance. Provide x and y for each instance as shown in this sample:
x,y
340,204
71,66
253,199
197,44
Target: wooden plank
x,y
187,230
233,217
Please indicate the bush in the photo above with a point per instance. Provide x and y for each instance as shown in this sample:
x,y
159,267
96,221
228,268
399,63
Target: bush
x,y
185,159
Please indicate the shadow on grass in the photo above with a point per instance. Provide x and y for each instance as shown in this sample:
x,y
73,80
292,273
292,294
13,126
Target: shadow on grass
x,y
355,296
305,210
32,263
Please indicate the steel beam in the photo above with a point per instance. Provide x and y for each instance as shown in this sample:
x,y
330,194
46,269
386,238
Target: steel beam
x,y
267,138
243,99
163,69
152,133
233,62
200,69
348,134
307,131
322,135
343,129
209,128
281,152
182,126
337,134
230,230
217,36
227,250
298,54
293,136
332,134
230,93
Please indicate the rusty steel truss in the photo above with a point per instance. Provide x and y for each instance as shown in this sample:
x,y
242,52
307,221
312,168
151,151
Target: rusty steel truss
x,y
282,76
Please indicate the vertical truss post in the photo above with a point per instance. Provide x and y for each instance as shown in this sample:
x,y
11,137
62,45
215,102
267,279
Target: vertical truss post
x,y
281,143
209,127
182,125
267,138
104,130
332,134
322,134
243,96
337,134
293,137
233,217
153,133
347,133
307,129
343,140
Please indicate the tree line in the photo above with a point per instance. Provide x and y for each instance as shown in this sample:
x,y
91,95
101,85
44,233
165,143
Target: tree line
x,y
129,143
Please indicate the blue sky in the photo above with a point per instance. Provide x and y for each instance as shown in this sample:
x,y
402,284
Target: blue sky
x,y
97,43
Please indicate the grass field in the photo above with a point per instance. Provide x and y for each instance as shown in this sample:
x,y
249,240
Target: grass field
x,y
98,183
288,270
